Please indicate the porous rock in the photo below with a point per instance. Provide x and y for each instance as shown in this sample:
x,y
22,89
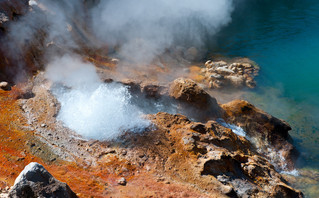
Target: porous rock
x,y
213,158
265,129
220,74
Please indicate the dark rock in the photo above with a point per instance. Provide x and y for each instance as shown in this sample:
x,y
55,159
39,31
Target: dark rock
x,y
36,181
199,127
151,90
122,181
4,86
283,190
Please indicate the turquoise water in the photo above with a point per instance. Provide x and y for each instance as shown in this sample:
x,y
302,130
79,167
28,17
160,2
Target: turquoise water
x,y
282,36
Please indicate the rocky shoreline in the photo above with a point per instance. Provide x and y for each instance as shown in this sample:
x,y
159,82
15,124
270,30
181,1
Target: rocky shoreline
x,y
177,149
198,148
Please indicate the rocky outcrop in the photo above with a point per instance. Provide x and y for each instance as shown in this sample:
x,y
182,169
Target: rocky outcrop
x,y
213,158
36,181
194,99
207,156
188,91
221,74
268,133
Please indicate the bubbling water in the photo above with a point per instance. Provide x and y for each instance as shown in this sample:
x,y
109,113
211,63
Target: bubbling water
x,y
91,108
235,129
100,114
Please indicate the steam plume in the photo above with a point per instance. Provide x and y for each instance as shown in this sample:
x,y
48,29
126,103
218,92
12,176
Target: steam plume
x,y
92,109
139,30
144,28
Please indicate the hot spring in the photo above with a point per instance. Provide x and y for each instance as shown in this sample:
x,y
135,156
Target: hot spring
x,y
89,107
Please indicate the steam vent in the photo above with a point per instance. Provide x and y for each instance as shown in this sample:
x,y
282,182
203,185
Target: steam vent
x,y
162,98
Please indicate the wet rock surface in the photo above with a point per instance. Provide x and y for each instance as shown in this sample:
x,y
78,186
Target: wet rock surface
x,y
217,159
205,155
268,133
179,156
36,181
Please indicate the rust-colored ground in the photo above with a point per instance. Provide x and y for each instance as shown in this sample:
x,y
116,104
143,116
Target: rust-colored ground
x,y
15,155
97,181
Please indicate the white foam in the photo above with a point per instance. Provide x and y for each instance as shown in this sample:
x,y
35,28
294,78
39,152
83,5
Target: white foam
x,y
100,114
89,107
293,172
278,160
236,129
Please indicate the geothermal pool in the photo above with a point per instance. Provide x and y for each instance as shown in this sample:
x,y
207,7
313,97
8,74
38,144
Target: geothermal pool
x,y
283,38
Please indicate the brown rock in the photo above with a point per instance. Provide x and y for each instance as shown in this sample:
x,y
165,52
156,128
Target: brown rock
x,y
239,74
191,94
188,91
217,160
264,128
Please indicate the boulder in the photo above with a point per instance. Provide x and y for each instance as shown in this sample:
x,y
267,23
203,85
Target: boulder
x,y
187,90
36,181
194,99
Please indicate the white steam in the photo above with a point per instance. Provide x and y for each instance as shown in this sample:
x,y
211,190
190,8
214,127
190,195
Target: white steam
x,y
138,30
73,72
145,28
90,108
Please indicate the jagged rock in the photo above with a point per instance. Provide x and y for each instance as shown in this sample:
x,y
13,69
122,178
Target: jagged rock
x,y
151,90
10,10
265,130
207,155
221,74
36,181
212,157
